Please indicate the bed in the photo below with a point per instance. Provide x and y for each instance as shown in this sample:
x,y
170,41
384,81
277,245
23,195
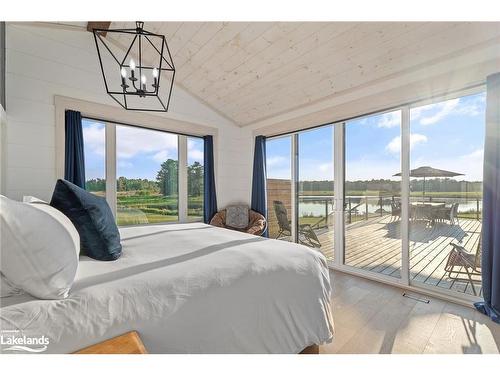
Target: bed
x,y
188,288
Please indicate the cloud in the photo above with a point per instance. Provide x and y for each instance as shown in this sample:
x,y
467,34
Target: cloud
x,y
394,146
195,151
390,120
275,161
368,169
433,113
470,164
443,110
125,164
132,141
309,169
162,155
474,106
477,155
195,155
326,167
94,137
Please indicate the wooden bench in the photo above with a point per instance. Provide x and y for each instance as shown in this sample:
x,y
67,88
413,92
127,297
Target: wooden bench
x,y
131,343
128,343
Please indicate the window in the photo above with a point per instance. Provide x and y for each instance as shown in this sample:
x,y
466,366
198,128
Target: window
x,y
94,147
195,156
373,193
145,163
147,176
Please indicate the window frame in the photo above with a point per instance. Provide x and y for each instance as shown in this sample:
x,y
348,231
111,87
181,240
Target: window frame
x,y
113,116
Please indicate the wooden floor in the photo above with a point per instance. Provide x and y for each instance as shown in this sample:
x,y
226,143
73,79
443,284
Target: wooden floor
x,y
375,245
371,317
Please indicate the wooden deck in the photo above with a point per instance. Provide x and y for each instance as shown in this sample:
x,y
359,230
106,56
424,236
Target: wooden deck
x,y
375,245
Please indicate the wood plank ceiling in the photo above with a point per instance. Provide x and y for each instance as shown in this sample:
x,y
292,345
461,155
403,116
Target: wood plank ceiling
x,y
250,71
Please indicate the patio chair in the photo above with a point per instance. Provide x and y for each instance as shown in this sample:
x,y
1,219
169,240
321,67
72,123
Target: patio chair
x,y
396,209
462,262
307,236
447,213
454,214
285,228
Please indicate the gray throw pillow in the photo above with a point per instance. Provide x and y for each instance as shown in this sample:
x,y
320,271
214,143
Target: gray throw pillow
x,y
237,216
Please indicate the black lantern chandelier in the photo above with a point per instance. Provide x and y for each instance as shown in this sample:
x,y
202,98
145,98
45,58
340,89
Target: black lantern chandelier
x,y
141,77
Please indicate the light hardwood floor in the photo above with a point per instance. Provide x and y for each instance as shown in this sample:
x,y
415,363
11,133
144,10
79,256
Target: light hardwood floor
x,y
371,317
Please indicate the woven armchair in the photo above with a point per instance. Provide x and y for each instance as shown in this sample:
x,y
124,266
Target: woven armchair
x,y
257,223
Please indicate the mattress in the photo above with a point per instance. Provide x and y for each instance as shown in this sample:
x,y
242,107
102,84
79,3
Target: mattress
x,y
187,288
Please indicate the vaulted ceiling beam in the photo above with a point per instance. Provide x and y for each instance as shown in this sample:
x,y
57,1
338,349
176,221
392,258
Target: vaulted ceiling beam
x,y
91,25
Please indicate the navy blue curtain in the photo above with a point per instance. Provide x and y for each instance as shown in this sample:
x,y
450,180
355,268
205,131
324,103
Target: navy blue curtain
x,y
209,193
259,196
74,163
490,263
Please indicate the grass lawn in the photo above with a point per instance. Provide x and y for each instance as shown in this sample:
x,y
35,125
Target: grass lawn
x,y
143,207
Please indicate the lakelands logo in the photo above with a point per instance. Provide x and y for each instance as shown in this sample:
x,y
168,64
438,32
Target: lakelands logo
x,y
14,341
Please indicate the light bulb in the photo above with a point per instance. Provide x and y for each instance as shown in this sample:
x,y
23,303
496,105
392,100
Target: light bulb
x,y
132,64
155,73
143,79
124,72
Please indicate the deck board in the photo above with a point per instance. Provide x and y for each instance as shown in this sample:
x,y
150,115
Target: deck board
x,y
375,245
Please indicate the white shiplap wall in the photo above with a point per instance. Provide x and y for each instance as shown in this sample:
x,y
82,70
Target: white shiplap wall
x,y
43,62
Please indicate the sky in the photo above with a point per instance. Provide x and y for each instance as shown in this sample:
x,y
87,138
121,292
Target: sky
x,y
446,135
140,152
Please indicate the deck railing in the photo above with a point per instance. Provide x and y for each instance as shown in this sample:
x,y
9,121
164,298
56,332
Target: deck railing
x,y
359,207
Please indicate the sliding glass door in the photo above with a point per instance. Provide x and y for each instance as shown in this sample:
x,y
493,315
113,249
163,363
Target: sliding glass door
x,y
279,188
372,194
405,204
445,205
315,190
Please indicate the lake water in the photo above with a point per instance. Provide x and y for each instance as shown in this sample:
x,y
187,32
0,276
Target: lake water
x,y
317,208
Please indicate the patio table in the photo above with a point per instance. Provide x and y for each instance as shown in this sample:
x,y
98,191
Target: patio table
x,y
425,210
428,204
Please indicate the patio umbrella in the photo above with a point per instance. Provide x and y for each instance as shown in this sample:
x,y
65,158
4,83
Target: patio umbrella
x,y
430,172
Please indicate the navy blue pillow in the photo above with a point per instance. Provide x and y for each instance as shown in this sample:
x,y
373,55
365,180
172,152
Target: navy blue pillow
x,y
93,219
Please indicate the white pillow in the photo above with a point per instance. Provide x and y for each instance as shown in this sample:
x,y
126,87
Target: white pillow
x,y
39,248
32,199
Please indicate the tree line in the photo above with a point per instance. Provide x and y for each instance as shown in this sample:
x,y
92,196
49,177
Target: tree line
x,y
166,182
431,185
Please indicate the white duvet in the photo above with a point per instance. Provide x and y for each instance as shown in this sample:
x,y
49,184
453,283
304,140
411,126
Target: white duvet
x,y
188,288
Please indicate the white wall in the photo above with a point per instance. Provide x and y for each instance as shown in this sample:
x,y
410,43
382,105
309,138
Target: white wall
x,y
43,62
